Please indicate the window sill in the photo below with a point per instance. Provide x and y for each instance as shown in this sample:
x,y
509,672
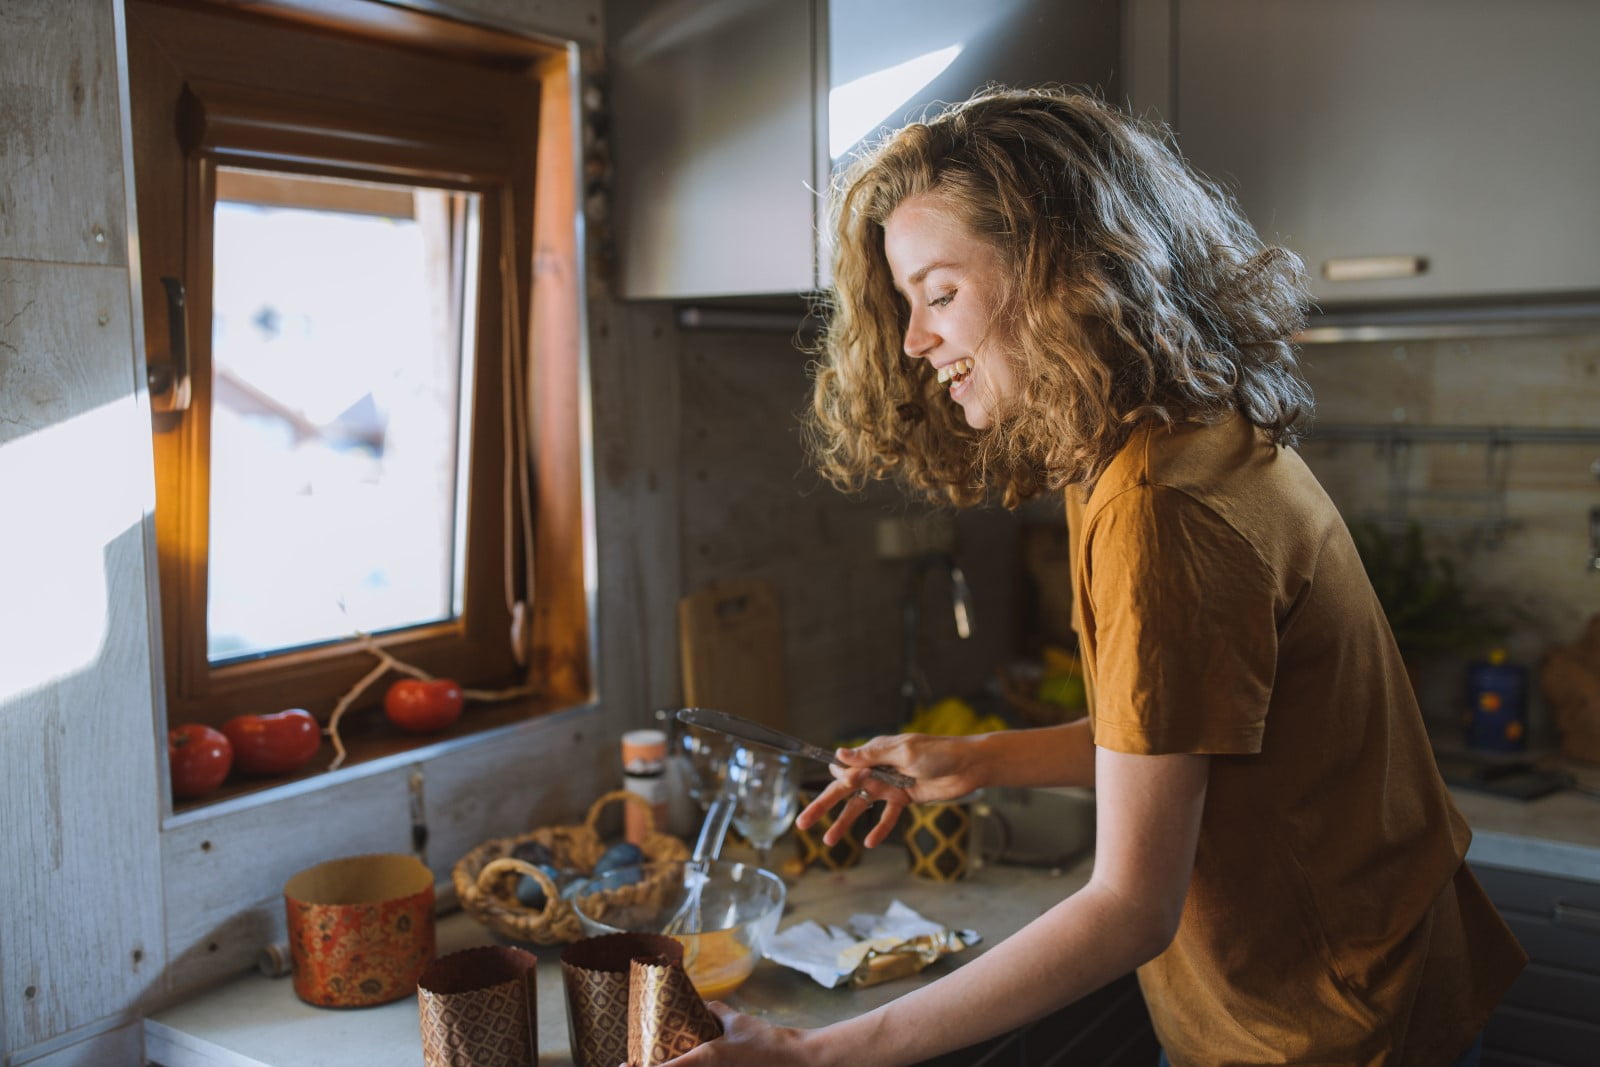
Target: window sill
x,y
372,747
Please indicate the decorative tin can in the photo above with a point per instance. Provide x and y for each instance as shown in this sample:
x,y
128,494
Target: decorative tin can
x,y
360,929
939,841
812,850
1497,710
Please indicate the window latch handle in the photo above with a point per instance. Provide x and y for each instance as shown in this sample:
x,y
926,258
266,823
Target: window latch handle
x,y
169,379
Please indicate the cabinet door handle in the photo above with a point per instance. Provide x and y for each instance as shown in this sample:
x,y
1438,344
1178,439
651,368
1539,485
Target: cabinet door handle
x,y
1373,268
1576,917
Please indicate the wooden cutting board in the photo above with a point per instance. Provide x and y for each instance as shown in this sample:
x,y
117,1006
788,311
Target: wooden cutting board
x,y
730,637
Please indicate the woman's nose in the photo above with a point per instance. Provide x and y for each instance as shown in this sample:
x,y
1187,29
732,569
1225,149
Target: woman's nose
x,y
919,339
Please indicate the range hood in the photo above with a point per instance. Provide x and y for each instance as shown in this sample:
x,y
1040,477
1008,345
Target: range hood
x,y
1483,318
1373,323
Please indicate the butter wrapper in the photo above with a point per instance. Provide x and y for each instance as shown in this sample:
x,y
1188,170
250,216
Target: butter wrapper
x,y
873,948
905,958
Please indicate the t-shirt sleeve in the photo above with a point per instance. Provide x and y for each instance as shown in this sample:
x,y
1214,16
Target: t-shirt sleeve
x,y
1180,624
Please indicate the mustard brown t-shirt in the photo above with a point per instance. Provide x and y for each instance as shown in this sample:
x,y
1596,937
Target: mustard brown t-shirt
x,y
1330,918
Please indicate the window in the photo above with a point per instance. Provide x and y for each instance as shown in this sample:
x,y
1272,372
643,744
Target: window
x,y
364,403
341,339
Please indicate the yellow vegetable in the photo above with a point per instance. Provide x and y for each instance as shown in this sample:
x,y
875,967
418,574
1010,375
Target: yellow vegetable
x,y
1064,691
951,717
1060,661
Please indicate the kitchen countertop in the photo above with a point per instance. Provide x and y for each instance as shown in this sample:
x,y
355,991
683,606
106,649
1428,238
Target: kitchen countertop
x,y
1556,834
254,1021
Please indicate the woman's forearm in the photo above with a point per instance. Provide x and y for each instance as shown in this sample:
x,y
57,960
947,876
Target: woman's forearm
x,y
1147,828
1083,943
1046,756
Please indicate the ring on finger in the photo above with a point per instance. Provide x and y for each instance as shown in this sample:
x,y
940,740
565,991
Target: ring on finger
x,y
863,796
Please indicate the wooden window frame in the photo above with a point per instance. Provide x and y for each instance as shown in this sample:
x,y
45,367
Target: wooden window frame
x,y
420,107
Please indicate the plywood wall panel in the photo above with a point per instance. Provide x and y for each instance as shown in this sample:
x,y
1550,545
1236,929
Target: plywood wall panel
x,y
80,932
635,383
225,873
753,507
65,348
1371,382
1534,381
61,179
545,773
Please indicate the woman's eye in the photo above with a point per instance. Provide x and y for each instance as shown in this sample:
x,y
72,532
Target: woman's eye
x,y
941,301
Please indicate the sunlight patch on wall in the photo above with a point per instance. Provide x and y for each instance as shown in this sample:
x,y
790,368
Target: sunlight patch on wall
x,y
85,485
857,107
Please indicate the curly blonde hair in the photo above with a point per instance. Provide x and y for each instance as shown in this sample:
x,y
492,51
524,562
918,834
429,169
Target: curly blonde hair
x,y
1134,291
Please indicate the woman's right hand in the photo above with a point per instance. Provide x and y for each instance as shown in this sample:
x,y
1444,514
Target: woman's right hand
x,y
945,768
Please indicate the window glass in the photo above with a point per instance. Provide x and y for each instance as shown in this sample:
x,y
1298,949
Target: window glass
x,y
341,354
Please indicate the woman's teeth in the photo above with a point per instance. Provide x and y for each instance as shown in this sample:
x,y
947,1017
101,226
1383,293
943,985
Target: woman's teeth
x,y
953,374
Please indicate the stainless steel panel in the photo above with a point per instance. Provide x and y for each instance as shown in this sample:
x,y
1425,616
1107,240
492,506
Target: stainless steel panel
x,y
1460,132
714,140
890,61
723,112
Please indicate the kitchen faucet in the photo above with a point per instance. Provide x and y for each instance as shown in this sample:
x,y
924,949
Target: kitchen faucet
x,y
913,684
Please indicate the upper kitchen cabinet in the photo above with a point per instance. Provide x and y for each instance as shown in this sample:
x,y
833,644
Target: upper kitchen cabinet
x,y
730,116
1409,150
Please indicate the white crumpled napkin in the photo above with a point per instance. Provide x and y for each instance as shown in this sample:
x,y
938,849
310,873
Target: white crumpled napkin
x,y
828,953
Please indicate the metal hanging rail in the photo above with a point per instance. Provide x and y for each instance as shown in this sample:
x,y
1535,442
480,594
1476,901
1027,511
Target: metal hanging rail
x,y
1493,521
1485,435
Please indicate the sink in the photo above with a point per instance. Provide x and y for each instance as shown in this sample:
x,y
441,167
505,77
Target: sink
x,y
1036,827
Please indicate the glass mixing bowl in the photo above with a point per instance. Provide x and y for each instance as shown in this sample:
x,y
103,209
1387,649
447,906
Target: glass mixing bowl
x,y
722,913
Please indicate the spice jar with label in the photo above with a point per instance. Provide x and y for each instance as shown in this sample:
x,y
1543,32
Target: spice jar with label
x,y
644,764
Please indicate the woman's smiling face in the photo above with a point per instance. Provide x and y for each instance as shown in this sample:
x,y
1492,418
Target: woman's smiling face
x,y
952,281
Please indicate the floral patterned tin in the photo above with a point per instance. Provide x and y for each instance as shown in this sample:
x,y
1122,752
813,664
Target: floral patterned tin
x,y
360,929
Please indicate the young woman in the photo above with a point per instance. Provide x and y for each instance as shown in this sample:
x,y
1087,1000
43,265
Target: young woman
x,y
1034,294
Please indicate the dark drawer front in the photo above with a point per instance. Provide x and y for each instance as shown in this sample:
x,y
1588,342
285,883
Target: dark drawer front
x,y
1556,919
1539,894
1101,1029
1108,1028
1543,1038
1494,1058
1551,1015
1567,949
1556,991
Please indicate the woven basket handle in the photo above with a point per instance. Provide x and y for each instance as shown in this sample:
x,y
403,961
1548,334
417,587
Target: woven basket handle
x,y
494,868
624,795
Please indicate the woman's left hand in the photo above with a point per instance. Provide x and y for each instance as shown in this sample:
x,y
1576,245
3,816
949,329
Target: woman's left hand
x,y
944,768
748,1040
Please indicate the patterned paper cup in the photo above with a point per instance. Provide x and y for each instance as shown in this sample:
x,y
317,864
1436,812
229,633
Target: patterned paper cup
x,y
360,929
479,1008
597,974
666,1017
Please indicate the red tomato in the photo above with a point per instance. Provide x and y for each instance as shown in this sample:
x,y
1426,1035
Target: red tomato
x,y
420,707
273,744
200,758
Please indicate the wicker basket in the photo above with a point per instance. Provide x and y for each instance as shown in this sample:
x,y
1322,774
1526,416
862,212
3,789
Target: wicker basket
x,y
486,878
1019,693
